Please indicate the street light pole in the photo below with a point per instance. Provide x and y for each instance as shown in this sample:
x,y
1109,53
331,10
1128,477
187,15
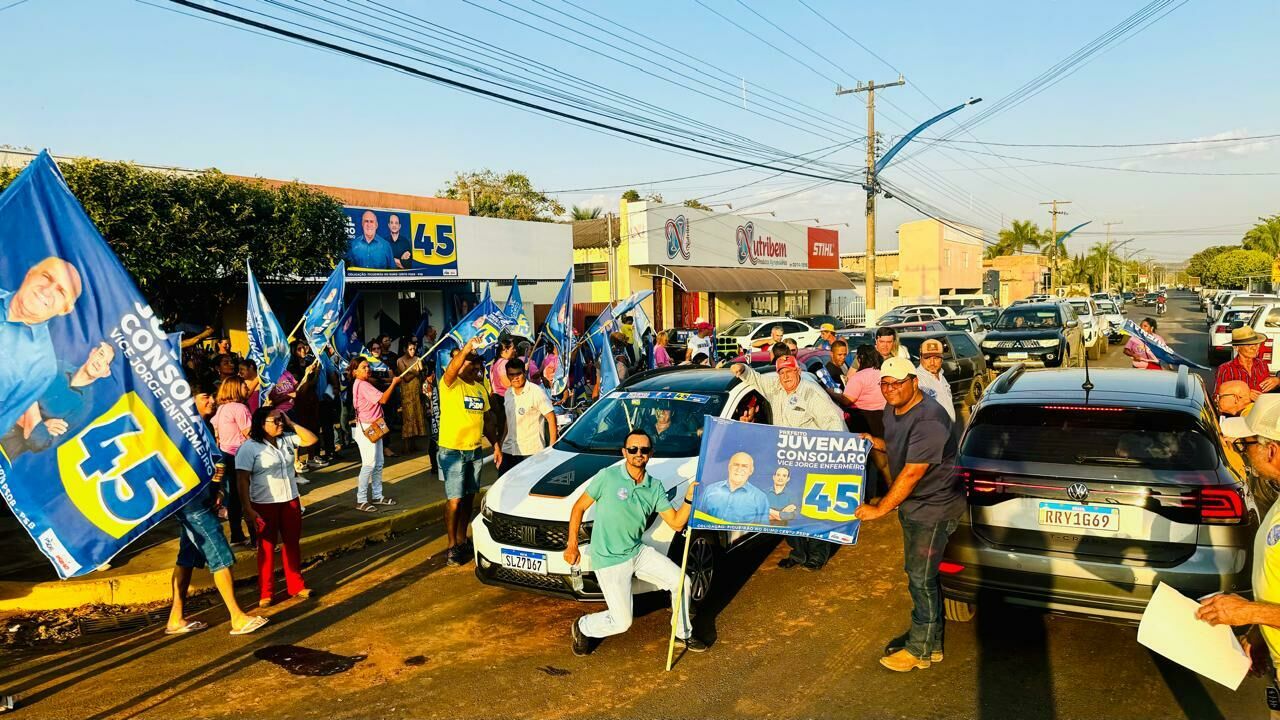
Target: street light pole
x,y
1106,273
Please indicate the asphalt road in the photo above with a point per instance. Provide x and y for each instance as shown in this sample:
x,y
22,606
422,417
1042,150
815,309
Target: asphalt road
x,y
786,643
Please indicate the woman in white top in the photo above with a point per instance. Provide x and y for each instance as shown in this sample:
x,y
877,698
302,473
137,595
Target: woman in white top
x,y
265,473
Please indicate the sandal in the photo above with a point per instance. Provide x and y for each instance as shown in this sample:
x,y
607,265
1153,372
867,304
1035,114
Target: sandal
x,y
189,626
366,507
385,501
253,625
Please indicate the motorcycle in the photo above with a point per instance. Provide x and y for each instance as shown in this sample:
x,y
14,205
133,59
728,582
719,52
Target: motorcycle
x,y
1160,307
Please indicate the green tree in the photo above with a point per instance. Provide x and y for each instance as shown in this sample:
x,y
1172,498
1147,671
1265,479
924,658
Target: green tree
x,y
1015,238
510,195
185,238
1265,236
1198,264
631,196
696,204
1232,269
585,213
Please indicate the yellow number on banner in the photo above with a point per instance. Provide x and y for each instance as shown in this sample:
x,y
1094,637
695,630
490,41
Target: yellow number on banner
x,y
123,468
434,241
831,497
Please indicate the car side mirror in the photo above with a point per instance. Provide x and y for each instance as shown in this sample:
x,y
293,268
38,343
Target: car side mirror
x,y
1073,323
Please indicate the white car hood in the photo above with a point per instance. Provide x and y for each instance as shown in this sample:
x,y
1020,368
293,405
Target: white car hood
x,y
545,486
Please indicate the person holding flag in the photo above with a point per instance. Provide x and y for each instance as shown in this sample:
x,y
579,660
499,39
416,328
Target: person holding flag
x,y
463,404
559,334
268,346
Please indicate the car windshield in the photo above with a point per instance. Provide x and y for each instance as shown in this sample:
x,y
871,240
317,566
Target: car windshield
x,y
672,419
740,329
955,323
986,315
1028,318
1082,308
1150,439
1106,307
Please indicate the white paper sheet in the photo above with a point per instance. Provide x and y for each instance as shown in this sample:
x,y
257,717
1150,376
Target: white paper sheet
x,y
1169,627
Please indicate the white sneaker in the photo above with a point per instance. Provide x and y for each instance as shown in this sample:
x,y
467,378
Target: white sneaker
x,y
301,480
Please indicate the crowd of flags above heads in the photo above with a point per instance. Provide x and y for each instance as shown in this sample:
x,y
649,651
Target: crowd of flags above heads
x,y
327,323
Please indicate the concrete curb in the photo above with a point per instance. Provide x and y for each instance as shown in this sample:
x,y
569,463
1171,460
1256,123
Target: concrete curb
x,y
155,585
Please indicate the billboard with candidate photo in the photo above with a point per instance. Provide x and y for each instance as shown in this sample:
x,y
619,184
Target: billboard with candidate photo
x,y
784,481
400,242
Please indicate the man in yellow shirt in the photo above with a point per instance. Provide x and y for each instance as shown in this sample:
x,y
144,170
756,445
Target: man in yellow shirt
x,y
463,404
1257,437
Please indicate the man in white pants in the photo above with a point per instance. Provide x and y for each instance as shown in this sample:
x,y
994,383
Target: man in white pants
x,y
626,497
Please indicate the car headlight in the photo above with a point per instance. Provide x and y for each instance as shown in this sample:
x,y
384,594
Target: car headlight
x,y
990,344
1051,342
485,511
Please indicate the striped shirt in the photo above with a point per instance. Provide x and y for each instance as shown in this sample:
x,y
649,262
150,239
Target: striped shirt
x,y
1235,370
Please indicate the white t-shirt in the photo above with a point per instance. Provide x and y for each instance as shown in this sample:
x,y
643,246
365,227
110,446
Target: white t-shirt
x,y
937,388
271,475
524,419
697,345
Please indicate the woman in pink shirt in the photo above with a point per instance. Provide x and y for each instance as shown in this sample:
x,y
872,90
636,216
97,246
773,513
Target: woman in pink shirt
x,y
862,387
368,401
661,358
498,371
231,423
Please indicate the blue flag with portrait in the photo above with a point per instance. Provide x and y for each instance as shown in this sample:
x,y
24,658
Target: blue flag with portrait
x,y
517,318
779,480
100,434
1163,352
559,332
347,343
485,321
320,322
268,347
602,348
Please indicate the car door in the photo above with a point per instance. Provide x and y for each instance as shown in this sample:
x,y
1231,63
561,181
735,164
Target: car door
x,y
970,358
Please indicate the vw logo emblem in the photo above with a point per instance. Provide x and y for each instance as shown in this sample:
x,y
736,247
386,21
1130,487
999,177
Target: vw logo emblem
x,y
1078,491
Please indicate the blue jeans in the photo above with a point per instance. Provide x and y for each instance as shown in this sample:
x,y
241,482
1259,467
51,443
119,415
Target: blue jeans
x,y
922,546
460,471
201,542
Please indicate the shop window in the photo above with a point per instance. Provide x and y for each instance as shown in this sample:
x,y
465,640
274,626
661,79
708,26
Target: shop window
x,y
946,257
590,272
964,258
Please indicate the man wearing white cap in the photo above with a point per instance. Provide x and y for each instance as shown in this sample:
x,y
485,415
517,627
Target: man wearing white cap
x,y
1257,437
929,497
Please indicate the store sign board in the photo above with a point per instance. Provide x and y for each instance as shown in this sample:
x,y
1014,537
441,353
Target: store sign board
x,y
680,236
400,242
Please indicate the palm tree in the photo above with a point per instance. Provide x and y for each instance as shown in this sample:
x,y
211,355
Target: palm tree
x,y
1264,236
586,213
1016,238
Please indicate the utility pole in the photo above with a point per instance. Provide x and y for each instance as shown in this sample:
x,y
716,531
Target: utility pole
x,y
1054,213
1106,274
870,88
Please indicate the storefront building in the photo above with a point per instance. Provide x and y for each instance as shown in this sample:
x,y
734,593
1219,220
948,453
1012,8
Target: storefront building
x,y
712,266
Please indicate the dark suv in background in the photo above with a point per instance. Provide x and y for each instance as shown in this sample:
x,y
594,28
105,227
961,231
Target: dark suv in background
x,y
1081,502
1046,334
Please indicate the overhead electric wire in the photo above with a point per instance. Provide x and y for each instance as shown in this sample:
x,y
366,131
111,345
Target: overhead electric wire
x,y
1205,141
493,95
1086,165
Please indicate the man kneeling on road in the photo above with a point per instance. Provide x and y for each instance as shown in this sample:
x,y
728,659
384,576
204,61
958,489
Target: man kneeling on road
x,y
627,497
927,492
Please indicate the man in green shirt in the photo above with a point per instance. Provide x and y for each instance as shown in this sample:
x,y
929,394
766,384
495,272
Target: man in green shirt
x,y
626,496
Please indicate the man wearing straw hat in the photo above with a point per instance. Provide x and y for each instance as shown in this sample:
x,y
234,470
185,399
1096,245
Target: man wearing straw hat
x,y
626,496
1245,365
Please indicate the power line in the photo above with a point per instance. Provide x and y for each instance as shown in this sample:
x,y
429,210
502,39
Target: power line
x,y
1036,161
1208,141
493,95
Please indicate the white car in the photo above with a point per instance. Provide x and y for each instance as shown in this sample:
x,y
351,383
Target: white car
x,y
1112,320
1095,342
1220,331
745,334
929,312
971,324
521,532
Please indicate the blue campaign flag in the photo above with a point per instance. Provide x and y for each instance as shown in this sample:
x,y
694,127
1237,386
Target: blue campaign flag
x,y
1158,347
320,320
784,481
268,347
421,331
605,364
625,305
514,311
643,337
100,435
485,321
559,332
346,340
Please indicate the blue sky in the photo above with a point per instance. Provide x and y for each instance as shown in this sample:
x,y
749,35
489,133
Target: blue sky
x,y
126,80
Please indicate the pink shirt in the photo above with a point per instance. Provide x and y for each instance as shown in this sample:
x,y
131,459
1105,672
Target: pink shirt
x,y
863,388
1142,356
279,394
660,357
229,423
366,399
498,376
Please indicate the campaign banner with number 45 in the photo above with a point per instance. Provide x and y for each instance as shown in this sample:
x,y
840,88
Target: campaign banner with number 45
x,y
784,481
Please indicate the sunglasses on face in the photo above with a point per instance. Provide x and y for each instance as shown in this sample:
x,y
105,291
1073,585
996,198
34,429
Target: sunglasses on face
x,y
1241,443
275,420
639,449
892,384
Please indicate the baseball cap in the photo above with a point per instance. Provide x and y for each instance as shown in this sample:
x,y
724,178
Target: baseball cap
x,y
1263,419
897,368
786,361
930,347
704,326
827,327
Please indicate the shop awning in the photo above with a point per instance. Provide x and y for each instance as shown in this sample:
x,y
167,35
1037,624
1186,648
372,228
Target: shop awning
x,y
743,280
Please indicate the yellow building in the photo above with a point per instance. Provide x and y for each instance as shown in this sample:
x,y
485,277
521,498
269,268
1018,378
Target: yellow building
x,y
886,264
699,264
1020,276
938,259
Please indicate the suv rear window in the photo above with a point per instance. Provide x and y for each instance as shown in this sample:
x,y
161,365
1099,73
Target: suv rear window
x,y
1152,439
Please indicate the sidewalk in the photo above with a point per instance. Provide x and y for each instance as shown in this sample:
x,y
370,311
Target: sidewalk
x,y
141,574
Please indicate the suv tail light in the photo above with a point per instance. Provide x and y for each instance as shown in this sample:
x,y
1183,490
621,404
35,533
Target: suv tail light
x,y
1221,506
1221,329
982,488
1266,351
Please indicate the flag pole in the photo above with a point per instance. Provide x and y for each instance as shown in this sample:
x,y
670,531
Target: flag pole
x,y
289,337
424,356
678,599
